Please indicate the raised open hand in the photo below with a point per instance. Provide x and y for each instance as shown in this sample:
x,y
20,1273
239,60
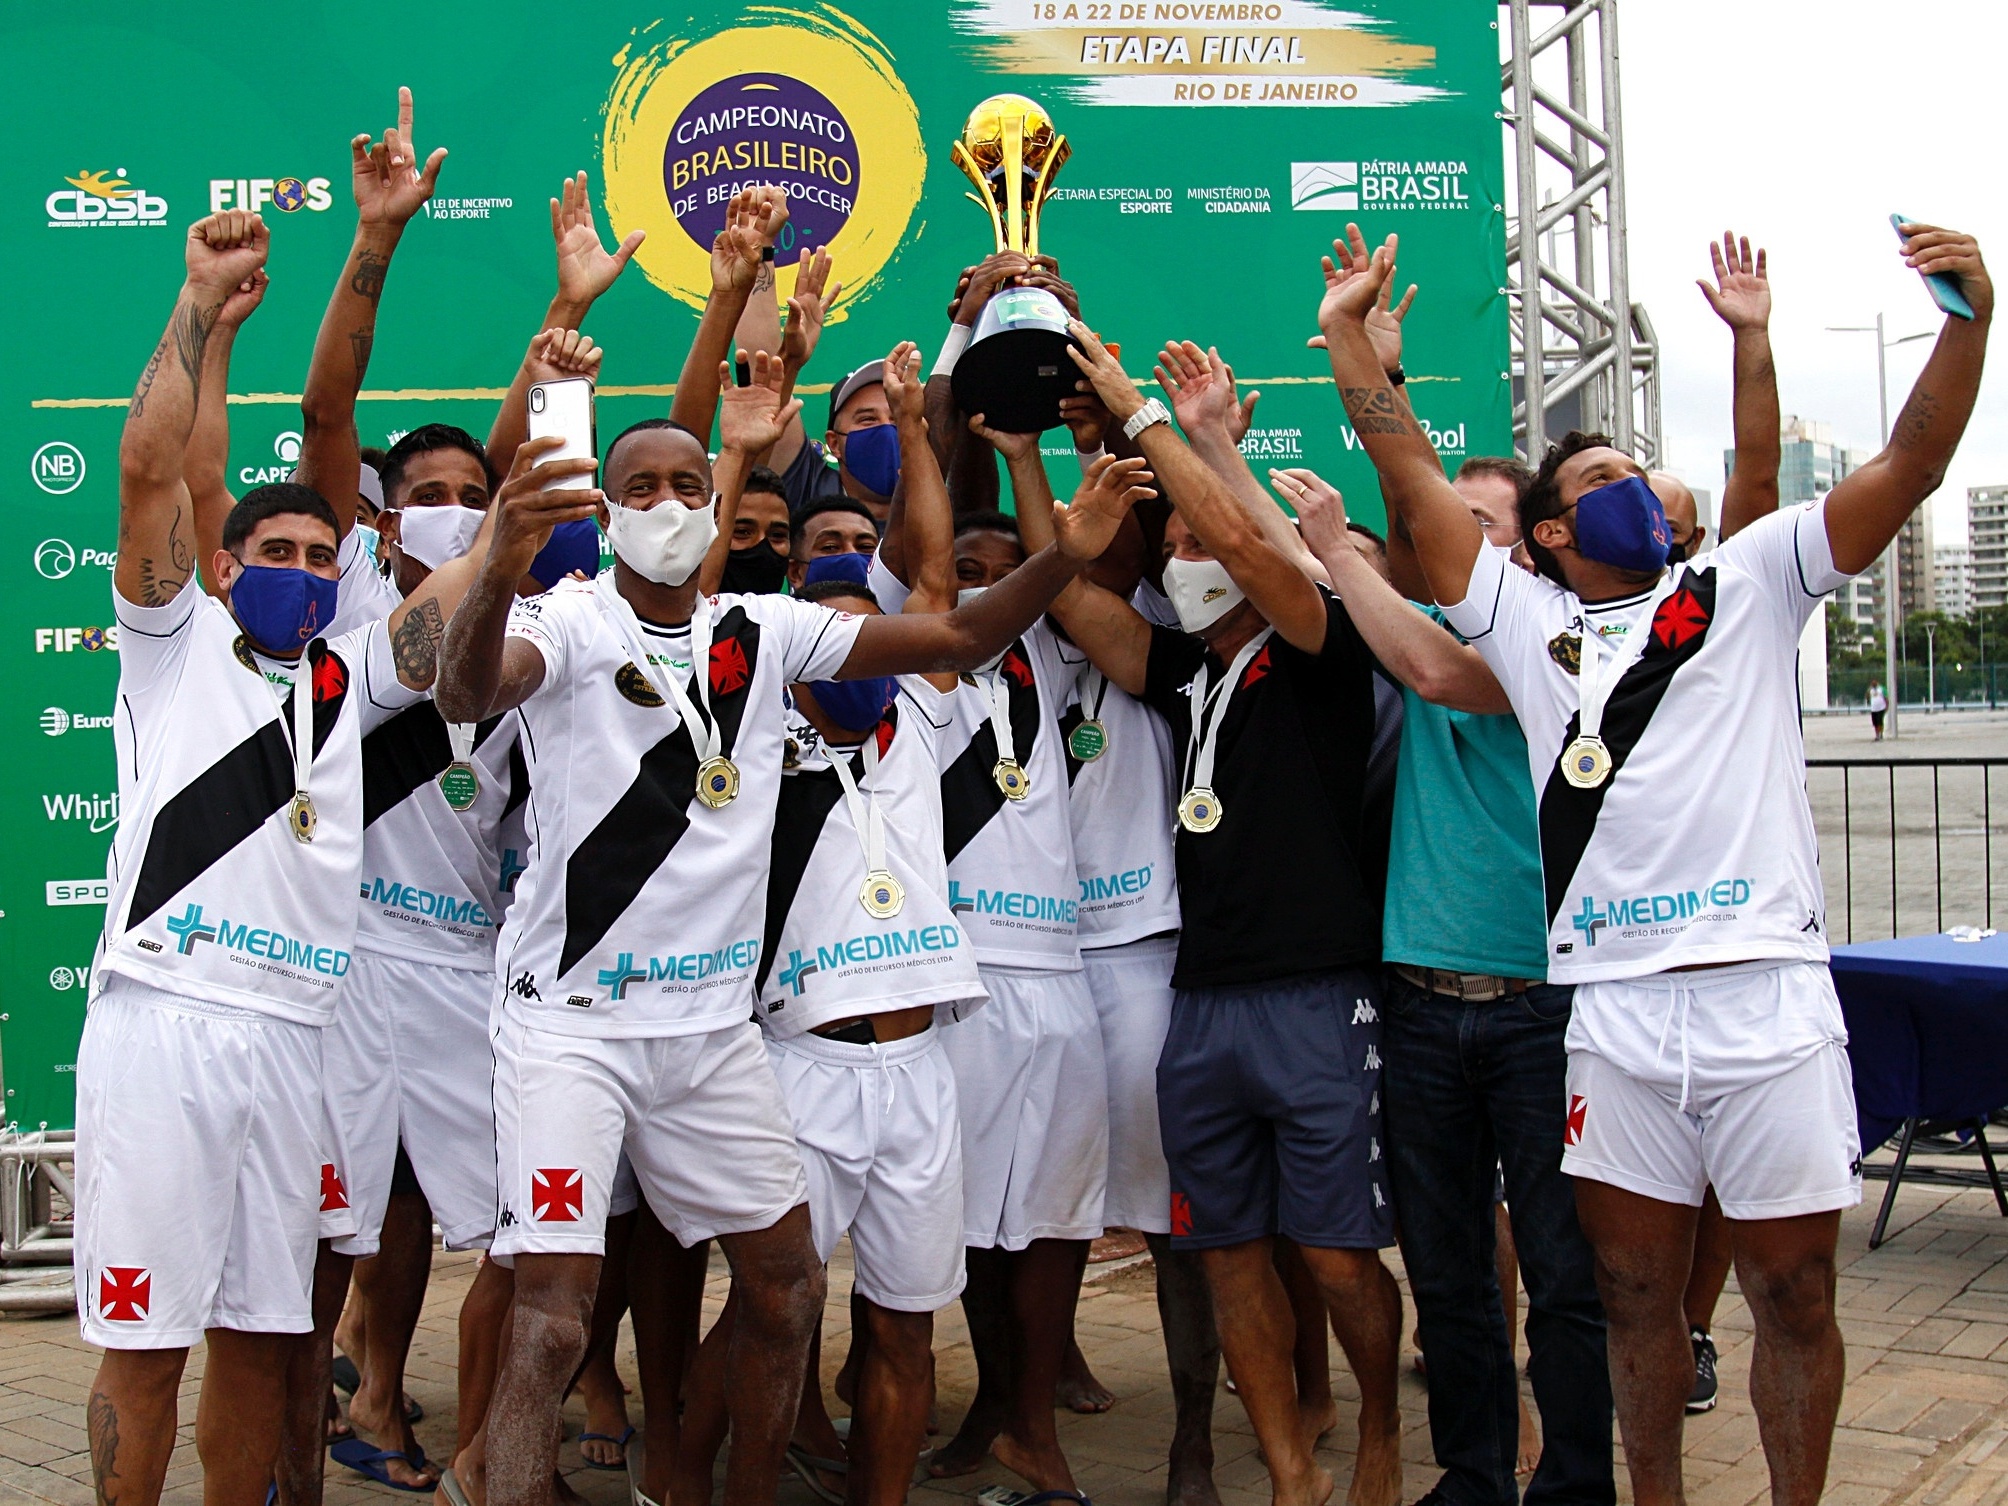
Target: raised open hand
x,y
1320,510
1741,297
905,398
1354,279
390,186
736,250
1109,488
586,268
808,308
1104,373
1242,419
1200,387
751,419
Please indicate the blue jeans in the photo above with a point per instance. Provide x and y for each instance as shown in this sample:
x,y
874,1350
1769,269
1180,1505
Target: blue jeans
x,y
1472,1088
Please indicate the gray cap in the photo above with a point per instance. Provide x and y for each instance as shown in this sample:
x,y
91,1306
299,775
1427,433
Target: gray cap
x,y
871,374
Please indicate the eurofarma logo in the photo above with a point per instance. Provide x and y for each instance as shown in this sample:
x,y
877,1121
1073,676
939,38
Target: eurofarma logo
x,y
810,101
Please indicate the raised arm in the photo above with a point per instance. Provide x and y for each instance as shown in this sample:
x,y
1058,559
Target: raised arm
x,y
750,419
1111,632
1416,650
1273,579
963,460
929,522
207,461
389,187
482,670
1865,511
1445,535
156,514
586,269
1741,298
735,264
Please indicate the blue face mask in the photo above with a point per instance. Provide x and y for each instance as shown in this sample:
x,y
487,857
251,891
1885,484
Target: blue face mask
x,y
1623,525
573,546
872,455
282,610
855,704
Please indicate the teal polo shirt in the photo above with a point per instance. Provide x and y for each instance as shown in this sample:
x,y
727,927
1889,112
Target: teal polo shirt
x,y
1464,862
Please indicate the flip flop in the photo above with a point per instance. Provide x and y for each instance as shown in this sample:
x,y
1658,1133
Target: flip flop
x,y
636,1467
620,1443
1004,1495
367,1459
348,1379
455,1491
807,1466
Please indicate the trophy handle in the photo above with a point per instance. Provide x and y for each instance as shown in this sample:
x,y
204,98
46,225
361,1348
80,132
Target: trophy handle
x,y
962,159
1014,180
1055,156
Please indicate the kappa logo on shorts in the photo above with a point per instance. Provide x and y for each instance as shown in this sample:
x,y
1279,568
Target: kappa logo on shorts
x,y
334,1196
1579,1110
124,1293
1181,1214
1373,1057
1363,1012
557,1193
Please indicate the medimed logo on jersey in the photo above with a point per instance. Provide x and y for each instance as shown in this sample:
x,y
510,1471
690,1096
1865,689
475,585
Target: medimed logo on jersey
x,y
97,200
447,909
99,812
1013,903
289,195
255,946
91,891
684,967
1115,891
1666,914
64,640
873,946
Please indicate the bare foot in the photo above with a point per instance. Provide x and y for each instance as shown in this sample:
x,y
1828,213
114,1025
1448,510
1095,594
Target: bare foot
x,y
1043,1468
1377,1467
1320,1418
1190,1484
1530,1443
336,1427
562,1492
1313,1490
1078,1390
394,1434
967,1451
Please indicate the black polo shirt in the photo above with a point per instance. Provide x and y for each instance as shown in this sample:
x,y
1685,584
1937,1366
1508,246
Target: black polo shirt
x,y
1277,888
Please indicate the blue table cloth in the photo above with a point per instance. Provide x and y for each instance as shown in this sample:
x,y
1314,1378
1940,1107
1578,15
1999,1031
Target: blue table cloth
x,y
1927,1029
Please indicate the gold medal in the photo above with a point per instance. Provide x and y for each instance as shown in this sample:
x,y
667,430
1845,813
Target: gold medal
x,y
1089,740
301,817
882,894
1199,809
460,785
1586,762
1011,779
717,782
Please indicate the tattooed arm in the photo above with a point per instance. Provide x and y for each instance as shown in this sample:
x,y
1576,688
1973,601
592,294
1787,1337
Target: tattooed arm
x,y
156,512
1865,511
207,460
1438,523
389,187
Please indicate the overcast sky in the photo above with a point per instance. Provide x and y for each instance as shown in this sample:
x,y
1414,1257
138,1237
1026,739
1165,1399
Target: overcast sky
x,y
1806,125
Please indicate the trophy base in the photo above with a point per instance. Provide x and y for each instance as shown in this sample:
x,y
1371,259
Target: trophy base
x,y
1016,368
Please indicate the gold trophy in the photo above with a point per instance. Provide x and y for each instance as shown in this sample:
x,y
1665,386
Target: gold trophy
x,y
1016,369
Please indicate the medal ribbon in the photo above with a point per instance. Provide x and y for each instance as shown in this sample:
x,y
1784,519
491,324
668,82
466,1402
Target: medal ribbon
x,y
998,694
303,720
461,736
1093,683
867,820
704,734
1202,746
1598,675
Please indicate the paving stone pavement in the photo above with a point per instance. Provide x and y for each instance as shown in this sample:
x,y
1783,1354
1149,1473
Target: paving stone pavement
x,y
1924,1419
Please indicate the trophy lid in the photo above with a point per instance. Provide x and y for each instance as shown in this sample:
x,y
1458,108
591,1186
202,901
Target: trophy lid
x,y
983,134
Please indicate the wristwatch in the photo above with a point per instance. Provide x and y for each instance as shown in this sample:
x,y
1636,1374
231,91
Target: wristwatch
x,y
1397,376
1152,412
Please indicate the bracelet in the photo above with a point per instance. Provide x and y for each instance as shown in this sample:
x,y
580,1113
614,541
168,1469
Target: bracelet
x,y
1397,376
766,253
952,345
1089,457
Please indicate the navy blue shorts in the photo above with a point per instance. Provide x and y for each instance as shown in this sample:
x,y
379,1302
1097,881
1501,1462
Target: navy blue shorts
x,y
1268,1098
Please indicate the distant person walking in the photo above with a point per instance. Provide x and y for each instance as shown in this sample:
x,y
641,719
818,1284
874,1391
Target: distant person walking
x,y
1878,705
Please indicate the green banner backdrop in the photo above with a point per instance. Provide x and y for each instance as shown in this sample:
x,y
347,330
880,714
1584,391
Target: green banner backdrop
x,y
1219,145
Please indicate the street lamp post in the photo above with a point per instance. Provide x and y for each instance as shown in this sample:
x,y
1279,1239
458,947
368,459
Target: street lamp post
x,y
1931,666
1892,610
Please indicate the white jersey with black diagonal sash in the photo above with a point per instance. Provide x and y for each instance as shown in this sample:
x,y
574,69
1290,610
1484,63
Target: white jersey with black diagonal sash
x,y
213,897
1699,848
640,913
827,958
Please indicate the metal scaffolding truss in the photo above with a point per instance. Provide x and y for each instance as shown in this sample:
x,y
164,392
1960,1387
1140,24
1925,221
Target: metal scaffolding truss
x,y
1584,355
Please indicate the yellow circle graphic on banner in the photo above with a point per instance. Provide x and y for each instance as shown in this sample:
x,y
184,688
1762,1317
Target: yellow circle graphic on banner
x,y
689,123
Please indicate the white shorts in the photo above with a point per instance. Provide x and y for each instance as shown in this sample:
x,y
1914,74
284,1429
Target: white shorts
x,y
700,1116
200,1145
408,1058
1034,1096
1777,1147
882,1146
1132,989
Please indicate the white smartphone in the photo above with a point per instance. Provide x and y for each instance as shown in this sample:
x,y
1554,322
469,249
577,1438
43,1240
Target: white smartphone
x,y
565,408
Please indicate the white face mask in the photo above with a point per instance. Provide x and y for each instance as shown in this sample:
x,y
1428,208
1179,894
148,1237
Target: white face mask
x,y
962,599
1201,592
666,543
433,535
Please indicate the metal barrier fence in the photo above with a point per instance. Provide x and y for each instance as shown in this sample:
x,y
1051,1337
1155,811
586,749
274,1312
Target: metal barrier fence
x,y
1906,844
37,1232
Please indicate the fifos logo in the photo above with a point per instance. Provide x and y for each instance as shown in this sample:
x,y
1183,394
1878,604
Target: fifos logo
x,y
288,195
63,640
285,450
96,199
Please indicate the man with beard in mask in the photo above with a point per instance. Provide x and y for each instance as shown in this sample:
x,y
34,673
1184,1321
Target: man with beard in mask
x,y
1706,1045
201,1155
758,563
652,723
1269,1083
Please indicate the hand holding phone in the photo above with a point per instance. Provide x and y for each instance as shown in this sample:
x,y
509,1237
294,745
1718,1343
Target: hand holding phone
x,y
565,408
1943,286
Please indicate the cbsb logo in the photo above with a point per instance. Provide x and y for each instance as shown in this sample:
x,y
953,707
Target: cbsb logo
x,y
287,194
1657,909
55,721
286,449
99,812
97,199
58,468
1324,185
